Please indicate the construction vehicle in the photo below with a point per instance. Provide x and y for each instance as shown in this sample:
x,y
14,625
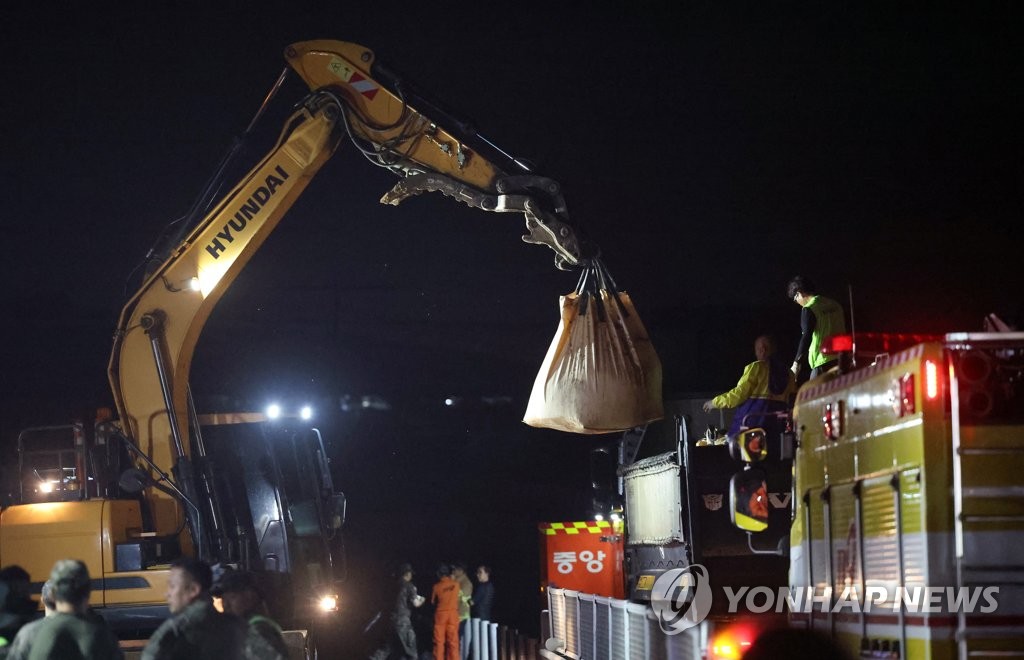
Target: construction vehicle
x,y
159,480
906,510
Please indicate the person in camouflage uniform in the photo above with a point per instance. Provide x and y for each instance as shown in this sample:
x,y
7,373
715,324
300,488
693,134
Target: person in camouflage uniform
x,y
401,640
242,597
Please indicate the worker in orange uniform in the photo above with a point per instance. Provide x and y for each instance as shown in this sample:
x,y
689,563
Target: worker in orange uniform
x,y
445,598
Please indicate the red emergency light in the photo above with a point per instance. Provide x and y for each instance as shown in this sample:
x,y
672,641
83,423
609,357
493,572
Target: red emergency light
x,y
931,380
836,344
832,419
874,343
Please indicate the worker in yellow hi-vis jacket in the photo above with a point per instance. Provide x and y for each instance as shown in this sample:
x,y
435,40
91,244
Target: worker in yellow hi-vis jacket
x,y
762,392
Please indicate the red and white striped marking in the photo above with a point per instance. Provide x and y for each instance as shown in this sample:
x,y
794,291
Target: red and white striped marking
x,y
364,85
356,80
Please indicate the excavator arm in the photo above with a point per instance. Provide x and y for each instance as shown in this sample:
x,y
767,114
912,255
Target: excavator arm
x,y
160,325
447,156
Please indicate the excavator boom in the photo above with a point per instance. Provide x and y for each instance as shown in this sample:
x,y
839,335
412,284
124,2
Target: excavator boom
x,y
248,494
432,153
161,324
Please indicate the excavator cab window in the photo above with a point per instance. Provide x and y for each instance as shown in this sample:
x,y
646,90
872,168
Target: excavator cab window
x,y
296,455
314,510
52,464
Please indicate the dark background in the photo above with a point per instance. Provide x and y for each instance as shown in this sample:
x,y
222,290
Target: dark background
x,y
712,154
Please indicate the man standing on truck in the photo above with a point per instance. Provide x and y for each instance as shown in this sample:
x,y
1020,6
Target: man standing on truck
x,y
821,317
762,391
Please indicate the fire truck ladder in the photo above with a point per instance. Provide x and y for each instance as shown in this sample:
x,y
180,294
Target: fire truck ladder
x,y
988,515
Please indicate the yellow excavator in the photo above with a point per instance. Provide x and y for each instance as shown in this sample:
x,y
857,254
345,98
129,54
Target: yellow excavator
x,y
133,491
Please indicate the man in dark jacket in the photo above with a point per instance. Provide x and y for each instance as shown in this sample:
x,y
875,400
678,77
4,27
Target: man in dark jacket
x,y
195,630
483,594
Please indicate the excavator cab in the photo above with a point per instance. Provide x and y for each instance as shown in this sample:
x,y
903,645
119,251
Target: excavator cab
x,y
67,463
51,466
269,506
279,512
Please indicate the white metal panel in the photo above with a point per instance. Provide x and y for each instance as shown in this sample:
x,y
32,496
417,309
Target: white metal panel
x,y
653,501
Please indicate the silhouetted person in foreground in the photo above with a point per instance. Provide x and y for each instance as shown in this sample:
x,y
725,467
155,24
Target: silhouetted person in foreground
x,y
16,606
18,650
74,631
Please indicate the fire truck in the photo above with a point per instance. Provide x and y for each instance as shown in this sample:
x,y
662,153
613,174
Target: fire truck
x,y
905,514
909,485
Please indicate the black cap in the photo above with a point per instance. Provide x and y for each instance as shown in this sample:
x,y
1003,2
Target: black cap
x,y
404,568
235,581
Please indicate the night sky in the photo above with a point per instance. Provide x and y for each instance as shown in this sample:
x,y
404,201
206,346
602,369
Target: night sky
x,y
711,154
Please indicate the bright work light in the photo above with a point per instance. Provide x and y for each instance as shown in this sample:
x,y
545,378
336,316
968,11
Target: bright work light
x,y
328,603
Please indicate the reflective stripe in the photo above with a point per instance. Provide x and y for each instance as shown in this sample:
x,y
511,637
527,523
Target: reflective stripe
x,y
105,584
593,527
